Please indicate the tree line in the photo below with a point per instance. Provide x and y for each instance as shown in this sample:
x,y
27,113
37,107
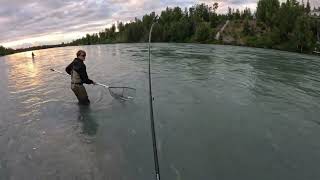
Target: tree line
x,y
286,26
196,24
6,51
199,23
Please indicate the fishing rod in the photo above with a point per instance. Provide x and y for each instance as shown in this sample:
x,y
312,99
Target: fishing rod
x,y
154,139
123,93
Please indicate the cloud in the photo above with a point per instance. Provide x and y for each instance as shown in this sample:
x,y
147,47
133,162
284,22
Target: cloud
x,y
28,20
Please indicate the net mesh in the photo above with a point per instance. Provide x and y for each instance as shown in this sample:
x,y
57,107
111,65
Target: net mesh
x,y
123,93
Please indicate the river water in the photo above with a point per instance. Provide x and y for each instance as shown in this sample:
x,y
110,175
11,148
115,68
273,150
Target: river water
x,y
221,112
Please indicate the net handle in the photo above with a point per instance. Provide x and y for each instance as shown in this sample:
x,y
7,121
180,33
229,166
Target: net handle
x,y
103,85
99,84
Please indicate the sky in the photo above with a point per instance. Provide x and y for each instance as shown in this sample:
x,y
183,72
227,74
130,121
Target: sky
x,y
25,23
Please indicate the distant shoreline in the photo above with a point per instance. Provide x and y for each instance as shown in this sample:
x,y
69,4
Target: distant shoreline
x,y
195,43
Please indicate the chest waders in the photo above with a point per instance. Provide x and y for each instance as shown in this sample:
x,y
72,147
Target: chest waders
x,y
78,88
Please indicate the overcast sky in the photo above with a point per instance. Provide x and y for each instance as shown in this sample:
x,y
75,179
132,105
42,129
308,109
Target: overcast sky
x,y
36,22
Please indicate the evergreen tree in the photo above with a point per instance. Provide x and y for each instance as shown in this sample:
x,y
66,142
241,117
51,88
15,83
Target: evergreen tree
x,y
230,14
287,16
303,34
237,14
202,32
121,27
308,8
267,11
246,14
247,28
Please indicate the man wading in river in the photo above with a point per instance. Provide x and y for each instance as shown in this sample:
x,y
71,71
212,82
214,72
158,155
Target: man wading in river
x,y
78,72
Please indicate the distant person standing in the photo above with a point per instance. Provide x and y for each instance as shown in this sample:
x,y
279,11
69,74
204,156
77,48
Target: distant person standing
x,y
78,72
33,55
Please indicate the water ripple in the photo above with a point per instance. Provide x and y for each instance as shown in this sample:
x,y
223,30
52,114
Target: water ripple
x,y
261,107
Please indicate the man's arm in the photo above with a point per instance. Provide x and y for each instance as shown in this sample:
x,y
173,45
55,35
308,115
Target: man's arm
x,y
84,76
81,69
69,68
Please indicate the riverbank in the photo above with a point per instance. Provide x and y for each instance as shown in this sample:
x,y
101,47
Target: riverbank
x,y
315,53
257,37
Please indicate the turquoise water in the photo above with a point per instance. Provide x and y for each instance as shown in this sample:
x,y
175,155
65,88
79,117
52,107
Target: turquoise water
x,y
221,112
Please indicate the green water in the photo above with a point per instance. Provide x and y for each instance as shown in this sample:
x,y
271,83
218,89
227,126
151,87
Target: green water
x,y
221,112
